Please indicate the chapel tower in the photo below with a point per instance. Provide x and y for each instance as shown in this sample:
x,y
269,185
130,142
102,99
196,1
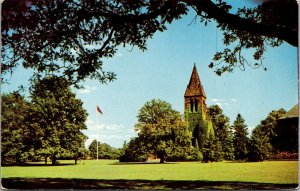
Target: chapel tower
x,y
195,109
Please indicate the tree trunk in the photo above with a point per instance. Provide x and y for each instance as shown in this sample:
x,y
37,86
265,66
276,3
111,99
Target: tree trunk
x,y
162,159
18,159
46,160
53,160
75,160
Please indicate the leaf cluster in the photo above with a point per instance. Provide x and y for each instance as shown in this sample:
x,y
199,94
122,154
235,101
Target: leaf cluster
x,y
70,39
277,13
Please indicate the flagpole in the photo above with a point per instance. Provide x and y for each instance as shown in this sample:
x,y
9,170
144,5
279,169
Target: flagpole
x,y
97,137
97,110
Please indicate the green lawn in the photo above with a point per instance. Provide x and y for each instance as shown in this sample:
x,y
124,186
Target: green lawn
x,y
229,173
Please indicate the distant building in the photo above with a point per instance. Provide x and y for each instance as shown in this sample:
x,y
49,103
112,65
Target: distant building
x,y
288,130
195,110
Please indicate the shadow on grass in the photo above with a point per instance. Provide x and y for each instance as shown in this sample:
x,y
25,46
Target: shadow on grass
x,y
39,164
59,183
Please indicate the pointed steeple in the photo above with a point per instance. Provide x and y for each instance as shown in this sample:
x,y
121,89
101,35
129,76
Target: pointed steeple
x,y
194,87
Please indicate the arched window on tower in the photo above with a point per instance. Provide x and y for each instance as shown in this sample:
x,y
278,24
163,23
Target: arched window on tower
x,y
192,105
196,105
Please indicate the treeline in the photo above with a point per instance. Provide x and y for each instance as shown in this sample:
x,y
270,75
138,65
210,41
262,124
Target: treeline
x,y
162,132
105,151
45,125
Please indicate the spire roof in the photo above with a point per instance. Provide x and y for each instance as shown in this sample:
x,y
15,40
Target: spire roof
x,y
194,87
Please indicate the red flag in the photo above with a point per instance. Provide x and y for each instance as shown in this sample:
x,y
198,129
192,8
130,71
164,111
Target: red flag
x,y
99,110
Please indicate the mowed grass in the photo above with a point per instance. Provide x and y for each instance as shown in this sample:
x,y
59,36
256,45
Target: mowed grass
x,y
275,172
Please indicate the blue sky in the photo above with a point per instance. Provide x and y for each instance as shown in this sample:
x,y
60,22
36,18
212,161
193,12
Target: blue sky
x,y
163,71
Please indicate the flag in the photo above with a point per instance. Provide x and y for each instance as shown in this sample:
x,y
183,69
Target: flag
x,y
98,109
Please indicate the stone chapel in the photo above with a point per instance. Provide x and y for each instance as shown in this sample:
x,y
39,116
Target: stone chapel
x,y
195,112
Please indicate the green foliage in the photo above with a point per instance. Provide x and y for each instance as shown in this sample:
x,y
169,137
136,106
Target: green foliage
x,y
194,154
268,13
15,133
70,39
134,151
240,139
208,150
269,126
105,151
223,141
264,139
48,126
161,132
260,148
200,126
59,115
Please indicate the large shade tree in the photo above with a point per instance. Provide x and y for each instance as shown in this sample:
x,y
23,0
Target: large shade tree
x,y
60,117
264,138
260,147
48,124
162,130
71,38
269,127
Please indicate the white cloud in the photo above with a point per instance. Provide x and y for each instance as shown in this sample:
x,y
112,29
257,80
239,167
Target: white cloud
x,y
217,100
223,102
87,90
119,55
111,127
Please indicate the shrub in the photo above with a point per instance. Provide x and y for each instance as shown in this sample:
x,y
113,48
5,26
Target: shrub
x,y
285,155
192,154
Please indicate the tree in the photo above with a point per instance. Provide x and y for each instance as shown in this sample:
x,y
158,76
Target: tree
x,y
71,38
16,146
264,139
269,126
162,130
48,124
240,140
210,149
60,117
93,149
223,141
260,148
